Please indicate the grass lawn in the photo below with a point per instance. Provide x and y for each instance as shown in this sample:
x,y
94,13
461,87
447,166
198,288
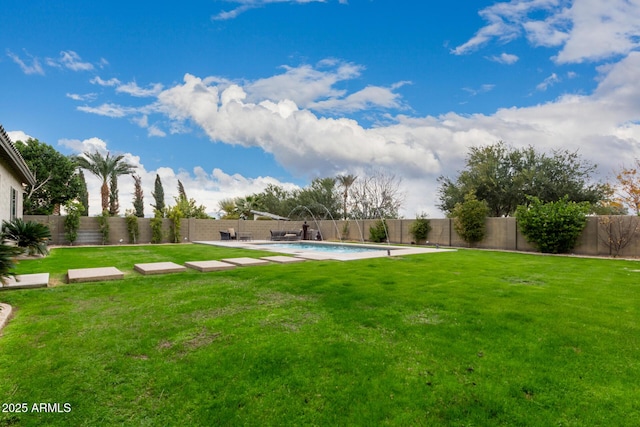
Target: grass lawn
x,y
459,338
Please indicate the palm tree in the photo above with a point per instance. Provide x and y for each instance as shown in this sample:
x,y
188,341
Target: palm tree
x,y
346,181
106,168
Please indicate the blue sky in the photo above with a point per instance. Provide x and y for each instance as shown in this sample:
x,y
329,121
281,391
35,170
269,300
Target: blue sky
x,y
229,96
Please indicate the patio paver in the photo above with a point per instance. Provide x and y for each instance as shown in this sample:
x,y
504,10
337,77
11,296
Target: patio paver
x,y
97,274
245,262
282,259
206,266
26,281
159,268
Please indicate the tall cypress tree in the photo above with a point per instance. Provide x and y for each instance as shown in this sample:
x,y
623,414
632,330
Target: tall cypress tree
x,y
158,195
138,197
83,194
181,193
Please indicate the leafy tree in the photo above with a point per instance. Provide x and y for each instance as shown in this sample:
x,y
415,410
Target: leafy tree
x,y
228,206
138,197
554,227
345,181
244,206
504,177
470,218
27,235
158,195
320,197
83,194
276,200
628,187
55,174
420,228
105,167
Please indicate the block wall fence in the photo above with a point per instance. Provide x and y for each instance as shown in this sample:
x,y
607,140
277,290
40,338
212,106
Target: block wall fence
x,y
502,233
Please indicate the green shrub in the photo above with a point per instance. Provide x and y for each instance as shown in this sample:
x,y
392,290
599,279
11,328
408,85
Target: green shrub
x,y
420,228
553,227
72,220
470,218
103,223
378,233
156,226
175,214
132,227
30,236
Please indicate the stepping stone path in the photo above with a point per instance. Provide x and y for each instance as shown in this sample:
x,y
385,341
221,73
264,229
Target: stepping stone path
x,y
245,262
98,274
206,266
282,259
26,281
159,268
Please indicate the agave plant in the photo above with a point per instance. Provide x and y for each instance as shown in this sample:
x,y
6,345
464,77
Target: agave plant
x,y
30,236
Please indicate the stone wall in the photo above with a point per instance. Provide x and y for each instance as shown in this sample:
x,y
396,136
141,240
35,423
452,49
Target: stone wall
x,y
502,233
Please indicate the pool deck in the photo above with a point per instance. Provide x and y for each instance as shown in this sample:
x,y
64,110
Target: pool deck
x,y
384,250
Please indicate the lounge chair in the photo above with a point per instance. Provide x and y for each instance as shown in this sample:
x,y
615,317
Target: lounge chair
x,y
232,234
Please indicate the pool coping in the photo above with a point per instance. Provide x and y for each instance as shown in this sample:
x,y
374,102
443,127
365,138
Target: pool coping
x,y
384,250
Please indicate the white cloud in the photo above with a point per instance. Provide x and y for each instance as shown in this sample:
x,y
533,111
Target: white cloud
x,y
304,84
207,188
483,89
72,61
505,58
548,82
603,126
584,30
109,110
109,83
18,135
134,90
85,97
33,68
246,5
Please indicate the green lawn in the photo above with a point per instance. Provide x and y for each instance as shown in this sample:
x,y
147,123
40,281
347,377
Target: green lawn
x,y
469,338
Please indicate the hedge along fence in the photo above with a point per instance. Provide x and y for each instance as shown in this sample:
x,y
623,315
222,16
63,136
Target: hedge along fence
x,y
502,233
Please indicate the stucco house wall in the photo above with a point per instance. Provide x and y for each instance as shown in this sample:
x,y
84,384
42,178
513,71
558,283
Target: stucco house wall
x,y
14,176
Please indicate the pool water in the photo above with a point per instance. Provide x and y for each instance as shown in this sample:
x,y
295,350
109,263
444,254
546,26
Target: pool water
x,y
323,247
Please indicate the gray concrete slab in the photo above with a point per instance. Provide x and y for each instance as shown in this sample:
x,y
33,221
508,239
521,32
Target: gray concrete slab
x,y
97,274
245,262
206,266
316,256
282,259
5,313
26,281
159,268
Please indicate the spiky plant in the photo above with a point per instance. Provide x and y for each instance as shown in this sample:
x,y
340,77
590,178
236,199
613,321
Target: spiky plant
x,y
7,263
30,236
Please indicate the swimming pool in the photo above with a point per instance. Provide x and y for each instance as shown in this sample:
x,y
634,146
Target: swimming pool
x,y
312,250
334,248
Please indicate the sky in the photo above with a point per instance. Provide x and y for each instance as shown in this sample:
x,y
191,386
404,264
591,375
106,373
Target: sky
x,y
229,96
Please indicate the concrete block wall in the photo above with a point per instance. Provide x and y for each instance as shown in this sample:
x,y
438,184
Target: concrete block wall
x,y
502,233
